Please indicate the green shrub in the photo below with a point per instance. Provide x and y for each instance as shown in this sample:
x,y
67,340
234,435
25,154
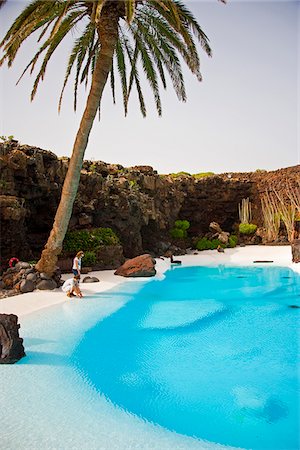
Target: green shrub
x,y
179,231
89,259
247,228
180,174
232,241
89,240
215,244
202,175
203,244
182,224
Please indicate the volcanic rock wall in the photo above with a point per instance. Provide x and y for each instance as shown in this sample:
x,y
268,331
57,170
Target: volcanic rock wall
x,y
137,203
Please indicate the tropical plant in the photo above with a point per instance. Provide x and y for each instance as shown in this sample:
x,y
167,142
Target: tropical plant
x,y
247,228
271,216
245,212
180,229
152,34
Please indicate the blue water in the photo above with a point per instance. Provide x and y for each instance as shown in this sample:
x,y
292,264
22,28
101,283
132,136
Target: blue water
x,y
210,352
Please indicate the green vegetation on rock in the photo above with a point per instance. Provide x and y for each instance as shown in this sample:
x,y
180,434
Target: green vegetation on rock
x,y
89,240
247,228
179,174
89,259
212,244
232,241
202,175
180,228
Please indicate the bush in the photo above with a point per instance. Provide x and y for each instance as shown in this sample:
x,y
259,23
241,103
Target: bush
x,y
182,224
89,240
209,244
89,259
202,175
232,241
203,244
180,174
247,228
179,231
215,244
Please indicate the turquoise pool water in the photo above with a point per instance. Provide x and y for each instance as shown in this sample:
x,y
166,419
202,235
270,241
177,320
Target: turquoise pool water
x,y
207,352
203,359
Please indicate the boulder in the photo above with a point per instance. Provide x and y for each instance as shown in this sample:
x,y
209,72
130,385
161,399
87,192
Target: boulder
x,y
22,265
44,276
32,276
46,285
215,227
140,266
26,286
90,280
11,345
221,235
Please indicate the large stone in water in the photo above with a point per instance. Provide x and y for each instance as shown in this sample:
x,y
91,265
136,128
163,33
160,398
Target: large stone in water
x,y
11,345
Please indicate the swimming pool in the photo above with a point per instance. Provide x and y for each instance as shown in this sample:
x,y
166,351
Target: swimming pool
x,y
207,352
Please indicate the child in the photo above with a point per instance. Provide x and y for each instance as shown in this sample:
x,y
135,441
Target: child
x,y
71,287
76,269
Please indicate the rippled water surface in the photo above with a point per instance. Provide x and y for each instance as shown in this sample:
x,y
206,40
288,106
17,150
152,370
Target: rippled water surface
x,y
207,352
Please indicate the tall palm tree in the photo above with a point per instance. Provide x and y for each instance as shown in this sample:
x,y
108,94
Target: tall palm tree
x,y
131,35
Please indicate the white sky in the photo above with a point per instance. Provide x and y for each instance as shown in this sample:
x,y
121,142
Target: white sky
x,y
243,116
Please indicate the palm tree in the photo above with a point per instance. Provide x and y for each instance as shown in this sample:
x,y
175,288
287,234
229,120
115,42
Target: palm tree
x,y
129,35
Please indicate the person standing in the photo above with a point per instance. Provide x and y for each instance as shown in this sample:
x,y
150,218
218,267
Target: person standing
x,y
76,269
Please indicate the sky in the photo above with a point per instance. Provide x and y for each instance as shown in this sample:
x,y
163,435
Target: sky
x,y
243,116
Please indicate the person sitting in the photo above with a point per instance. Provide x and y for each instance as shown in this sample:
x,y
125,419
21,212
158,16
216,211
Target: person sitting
x,y
220,249
71,287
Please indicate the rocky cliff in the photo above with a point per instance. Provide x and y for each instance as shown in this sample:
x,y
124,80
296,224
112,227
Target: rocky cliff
x,y
137,203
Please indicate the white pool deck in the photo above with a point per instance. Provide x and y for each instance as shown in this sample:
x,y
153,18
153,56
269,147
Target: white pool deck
x,y
22,305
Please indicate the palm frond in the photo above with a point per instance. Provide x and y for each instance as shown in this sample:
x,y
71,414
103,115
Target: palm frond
x,y
122,71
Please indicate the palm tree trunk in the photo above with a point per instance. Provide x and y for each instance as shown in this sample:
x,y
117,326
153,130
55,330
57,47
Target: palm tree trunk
x,y
108,35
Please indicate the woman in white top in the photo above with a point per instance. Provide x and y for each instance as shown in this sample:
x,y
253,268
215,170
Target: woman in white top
x,y
76,269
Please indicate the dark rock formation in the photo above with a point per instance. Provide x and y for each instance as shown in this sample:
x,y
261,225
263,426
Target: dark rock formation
x,y
141,266
137,203
296,250
21,280
46,285
11,345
